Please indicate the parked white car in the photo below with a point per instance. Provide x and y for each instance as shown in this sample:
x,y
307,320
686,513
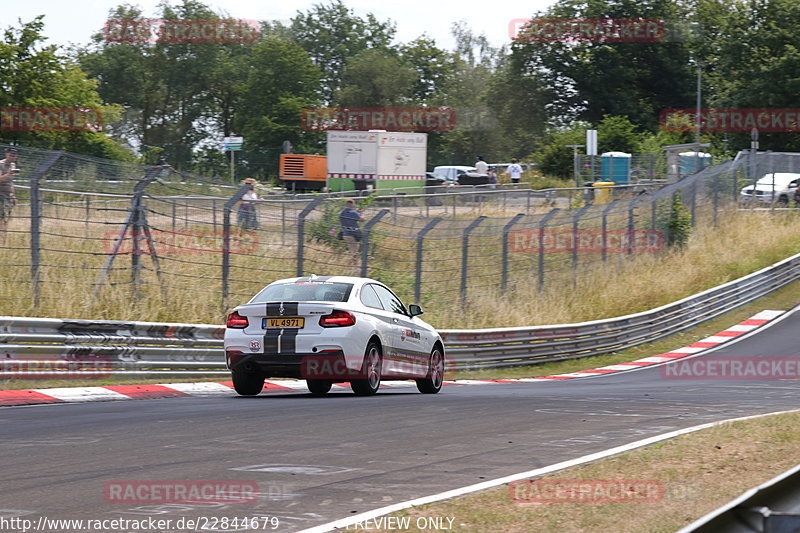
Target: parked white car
x,y
331,329
453,172
777,187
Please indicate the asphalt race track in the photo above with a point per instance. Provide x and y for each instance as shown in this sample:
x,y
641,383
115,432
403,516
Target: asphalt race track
x,y
320,459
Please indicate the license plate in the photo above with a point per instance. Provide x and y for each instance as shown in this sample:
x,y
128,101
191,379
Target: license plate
x,y
283,322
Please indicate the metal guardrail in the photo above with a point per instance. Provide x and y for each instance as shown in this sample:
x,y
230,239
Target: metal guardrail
x,y
91,348
772,507
170,348
501,347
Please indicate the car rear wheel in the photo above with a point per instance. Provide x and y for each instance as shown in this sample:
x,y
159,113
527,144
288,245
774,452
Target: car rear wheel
x,y
247,383
783,200
432,383
319,387
371,370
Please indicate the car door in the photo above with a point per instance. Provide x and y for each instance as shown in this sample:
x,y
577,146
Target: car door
x,y
384,319
408,357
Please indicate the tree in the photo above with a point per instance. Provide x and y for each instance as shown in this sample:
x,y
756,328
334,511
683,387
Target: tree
x,y
375,79
38,76
753,60
332,34
434,68
593,78
281,81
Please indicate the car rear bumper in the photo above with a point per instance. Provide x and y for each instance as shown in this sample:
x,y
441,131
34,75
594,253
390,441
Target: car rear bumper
x,y
323,365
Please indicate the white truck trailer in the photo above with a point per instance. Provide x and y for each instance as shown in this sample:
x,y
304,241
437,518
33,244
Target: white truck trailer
x,y
360,160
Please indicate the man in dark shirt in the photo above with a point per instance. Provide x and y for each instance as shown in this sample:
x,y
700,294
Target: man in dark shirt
x,y
351,233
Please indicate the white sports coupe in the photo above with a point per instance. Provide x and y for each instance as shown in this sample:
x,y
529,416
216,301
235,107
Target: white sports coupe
x,y
331,329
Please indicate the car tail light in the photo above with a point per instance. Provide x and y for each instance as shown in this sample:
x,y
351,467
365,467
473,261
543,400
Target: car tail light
x,y
337,319
237,321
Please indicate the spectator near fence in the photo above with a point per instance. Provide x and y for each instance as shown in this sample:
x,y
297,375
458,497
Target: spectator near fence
x,y
514,170
351,233
8,169
247,207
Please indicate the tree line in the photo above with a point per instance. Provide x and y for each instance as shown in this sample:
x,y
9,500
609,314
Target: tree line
x,y
174,101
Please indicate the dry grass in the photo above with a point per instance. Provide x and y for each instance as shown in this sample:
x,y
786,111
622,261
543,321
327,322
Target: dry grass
x,y
743,243
191,287
699,472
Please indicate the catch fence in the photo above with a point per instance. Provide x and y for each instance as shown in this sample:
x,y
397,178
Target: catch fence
x,y
89,235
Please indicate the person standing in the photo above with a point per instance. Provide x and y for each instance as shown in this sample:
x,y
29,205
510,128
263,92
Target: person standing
x,y
492,178
247,208
481,166
8,169
351,233
514,170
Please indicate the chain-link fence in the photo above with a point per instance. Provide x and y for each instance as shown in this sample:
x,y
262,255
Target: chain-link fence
x,y
89,235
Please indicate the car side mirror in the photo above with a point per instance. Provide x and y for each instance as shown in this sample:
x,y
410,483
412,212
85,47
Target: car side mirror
x,y
414,310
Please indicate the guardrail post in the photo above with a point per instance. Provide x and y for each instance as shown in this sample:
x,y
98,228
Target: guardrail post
x,y
418,268
301,231
504,259
575,220
365,240
465,254
36,222
542,223
226,242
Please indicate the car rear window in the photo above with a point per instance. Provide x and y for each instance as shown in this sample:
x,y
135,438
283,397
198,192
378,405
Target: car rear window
x,y
304,291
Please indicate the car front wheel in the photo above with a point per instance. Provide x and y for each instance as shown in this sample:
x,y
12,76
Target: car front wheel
x,y
371,370
432,383
247,383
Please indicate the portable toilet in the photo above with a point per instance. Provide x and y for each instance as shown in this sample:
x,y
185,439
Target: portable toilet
x,y
616,167
693,162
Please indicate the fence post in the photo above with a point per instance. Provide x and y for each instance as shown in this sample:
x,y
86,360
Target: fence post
x,y
420,236
504,259
605,227
226,242
542,223
301,231
36,222
365,240
465,253
715,198
631,222
575,220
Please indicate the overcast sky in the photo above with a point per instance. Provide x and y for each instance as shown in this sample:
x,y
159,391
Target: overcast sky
x,y
75,21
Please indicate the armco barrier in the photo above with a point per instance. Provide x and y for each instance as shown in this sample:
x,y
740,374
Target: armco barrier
x,y
499,347
126,347
165,348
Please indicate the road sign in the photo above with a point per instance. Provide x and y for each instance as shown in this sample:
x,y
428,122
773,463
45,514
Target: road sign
x,y
591,142
230,144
